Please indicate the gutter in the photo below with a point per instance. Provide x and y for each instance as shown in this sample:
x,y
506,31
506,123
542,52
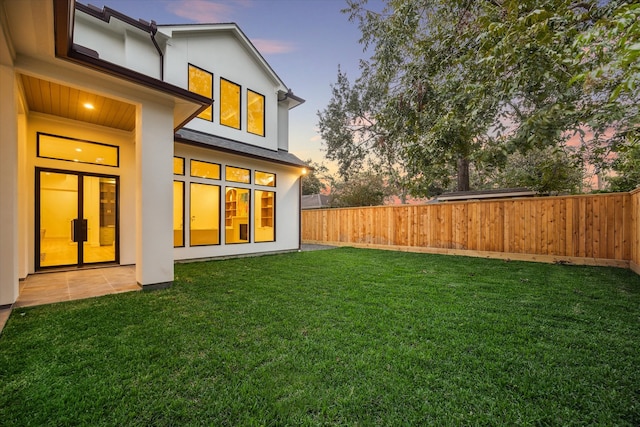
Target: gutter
x,y
153,29
63,19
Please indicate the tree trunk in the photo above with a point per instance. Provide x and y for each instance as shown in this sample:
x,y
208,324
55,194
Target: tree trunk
x,y
463,174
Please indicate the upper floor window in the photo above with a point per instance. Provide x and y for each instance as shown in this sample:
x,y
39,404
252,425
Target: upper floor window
x,y
255,113
201,82
229,104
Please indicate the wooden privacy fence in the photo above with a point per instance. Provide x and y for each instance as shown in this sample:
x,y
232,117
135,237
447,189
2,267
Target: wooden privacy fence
x,y
599,229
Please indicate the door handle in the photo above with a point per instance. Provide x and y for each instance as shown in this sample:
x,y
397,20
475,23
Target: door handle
x,y
84,230
74,230
79,228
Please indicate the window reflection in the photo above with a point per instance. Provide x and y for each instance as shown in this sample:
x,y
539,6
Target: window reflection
x,y
264,216
237,201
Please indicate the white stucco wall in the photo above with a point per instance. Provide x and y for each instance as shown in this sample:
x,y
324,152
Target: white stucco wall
x,y
8,187
118,43
222,54
287,221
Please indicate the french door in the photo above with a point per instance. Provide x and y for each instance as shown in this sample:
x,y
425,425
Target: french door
x,y
76,218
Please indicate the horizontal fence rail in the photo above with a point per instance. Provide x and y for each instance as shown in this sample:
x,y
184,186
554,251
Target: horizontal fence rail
x,y
599,229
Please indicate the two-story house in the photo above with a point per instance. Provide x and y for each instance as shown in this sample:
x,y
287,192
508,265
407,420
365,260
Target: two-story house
x,y
124,142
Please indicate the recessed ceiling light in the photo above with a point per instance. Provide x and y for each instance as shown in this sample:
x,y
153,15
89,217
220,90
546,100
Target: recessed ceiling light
x,y
88,106
79,150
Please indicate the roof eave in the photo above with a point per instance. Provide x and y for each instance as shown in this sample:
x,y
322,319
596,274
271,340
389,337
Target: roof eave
x,y
64,12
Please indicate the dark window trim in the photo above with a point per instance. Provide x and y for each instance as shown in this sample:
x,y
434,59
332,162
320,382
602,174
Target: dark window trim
x,y
212,88
236,167
239,103
219,178
190,203
38,134
264,114
184,200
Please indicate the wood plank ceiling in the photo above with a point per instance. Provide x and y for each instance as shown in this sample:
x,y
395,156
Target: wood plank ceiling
x,y
63,101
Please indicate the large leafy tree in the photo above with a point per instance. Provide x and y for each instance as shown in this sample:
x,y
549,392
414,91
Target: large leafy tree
x,y
315,180
454,83
626,165
363,189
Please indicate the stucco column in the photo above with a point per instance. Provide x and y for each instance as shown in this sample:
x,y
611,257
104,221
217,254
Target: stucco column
x,y
8,188
154,195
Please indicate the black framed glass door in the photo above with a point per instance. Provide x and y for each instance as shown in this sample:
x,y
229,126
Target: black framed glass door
x,y
76,218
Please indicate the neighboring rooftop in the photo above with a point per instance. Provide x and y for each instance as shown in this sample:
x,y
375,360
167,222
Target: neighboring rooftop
x,y
315,201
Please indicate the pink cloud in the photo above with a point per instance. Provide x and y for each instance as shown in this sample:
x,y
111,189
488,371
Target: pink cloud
x,y
272,47
201,11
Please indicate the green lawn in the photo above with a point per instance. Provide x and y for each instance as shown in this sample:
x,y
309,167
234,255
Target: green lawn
x,y
338,337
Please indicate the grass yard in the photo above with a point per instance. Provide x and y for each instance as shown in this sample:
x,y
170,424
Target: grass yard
x,y
338,337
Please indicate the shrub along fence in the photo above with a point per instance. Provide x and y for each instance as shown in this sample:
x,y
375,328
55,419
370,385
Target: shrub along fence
x,y
598,229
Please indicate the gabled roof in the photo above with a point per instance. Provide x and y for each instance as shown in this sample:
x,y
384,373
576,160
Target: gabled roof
x,y
315,201
192,137
232,28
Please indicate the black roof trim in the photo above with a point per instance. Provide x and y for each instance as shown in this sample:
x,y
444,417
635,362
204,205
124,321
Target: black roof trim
x,y
106,13
201,139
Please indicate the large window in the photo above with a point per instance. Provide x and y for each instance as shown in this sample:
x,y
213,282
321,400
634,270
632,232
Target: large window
x,y
76,150
255,113
178,214
204,209
264,216
201,82
236,218
204,214
229,104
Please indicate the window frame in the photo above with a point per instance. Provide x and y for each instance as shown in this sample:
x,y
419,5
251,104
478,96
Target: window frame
x,y
239,104
273,214
249,215
205,162
84,141
210,107
226,177
255,178
183,165
264,113
184,243
191,184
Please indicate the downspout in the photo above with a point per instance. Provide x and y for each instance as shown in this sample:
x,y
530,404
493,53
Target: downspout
x,y
153,29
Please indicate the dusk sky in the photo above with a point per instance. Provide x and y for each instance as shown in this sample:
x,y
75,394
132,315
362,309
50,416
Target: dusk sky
x,y
304,41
